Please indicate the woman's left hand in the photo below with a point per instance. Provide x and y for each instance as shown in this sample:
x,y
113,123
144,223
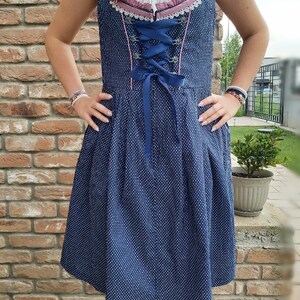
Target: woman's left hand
x,y
225,106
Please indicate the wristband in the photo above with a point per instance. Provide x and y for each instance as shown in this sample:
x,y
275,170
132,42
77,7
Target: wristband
x,y
234,87
237,96
238,93
78,97
75,94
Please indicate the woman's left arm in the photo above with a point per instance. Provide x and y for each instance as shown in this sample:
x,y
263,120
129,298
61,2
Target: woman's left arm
x,y
254,31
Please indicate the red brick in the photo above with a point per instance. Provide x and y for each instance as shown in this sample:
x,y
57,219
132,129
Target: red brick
x,y
59,286
52,192
240,255
31,176
51,90
265,256
86,35
24,109
247,272
35,297
2,178
14,160
10,16
217,50
239,288
50,226
12,54
89,71
65,176
32,241
17,193
13,126
29,143
4,271
63,108
57,126
47,90
47,256
23,2
32,209
277,272
21,36
12,90
2,241
15,286
42,14
218,32
14,256
70,142
63,209
226,289
35,271
90,53
2,210
55,160
268,288
10,225
26,72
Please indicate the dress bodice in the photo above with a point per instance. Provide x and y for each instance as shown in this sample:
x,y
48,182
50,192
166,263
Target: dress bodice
x,y
186,42
172,45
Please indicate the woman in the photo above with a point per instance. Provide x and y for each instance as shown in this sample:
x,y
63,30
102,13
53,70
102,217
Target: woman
x,y
151,211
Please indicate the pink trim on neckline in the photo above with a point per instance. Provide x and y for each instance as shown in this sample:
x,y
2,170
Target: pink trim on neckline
x,y
165,10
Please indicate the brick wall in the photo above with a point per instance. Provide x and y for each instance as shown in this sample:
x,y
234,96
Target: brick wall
x,y
40,142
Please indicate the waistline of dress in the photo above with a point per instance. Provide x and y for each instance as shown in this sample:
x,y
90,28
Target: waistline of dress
x,y
109,87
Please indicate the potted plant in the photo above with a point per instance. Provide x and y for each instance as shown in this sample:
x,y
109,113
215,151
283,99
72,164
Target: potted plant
x,y
251,180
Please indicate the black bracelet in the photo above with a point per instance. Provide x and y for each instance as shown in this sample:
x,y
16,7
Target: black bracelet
x,y
236,95
238,91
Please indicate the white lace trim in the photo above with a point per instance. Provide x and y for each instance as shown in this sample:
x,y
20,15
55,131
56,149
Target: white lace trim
x,y
171,16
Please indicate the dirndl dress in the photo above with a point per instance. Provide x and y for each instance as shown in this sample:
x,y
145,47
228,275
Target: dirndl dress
x,y
151,212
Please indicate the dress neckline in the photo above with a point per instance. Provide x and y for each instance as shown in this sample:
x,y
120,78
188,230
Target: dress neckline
x,y
154,10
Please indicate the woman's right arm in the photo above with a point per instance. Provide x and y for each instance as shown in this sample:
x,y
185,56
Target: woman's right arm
x,y
67,21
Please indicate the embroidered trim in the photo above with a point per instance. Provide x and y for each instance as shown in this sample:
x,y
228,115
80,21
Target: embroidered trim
x,y
129,49
183,40
168,16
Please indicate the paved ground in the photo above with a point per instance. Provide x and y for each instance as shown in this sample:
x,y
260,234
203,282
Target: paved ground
x,y
284,193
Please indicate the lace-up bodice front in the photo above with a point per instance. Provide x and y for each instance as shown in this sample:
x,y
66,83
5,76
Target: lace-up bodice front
x,y
155,31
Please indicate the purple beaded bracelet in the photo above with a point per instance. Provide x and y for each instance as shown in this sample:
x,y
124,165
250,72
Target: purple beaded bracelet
x,y
75,94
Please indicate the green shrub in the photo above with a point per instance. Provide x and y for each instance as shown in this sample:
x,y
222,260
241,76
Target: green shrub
x,y
257,151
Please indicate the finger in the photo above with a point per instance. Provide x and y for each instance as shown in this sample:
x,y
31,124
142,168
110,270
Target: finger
x,y
210,99
209,112
99,116
103,96
102,108
214,116
91,122
221,122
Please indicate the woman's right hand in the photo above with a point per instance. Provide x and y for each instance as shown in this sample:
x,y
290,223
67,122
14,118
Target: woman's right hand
x,y
87,106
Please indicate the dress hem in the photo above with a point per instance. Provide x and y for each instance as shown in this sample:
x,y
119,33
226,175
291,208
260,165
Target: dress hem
x,y
81,276
223,281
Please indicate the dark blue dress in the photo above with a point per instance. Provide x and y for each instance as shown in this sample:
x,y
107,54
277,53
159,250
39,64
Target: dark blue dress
x,y
151,212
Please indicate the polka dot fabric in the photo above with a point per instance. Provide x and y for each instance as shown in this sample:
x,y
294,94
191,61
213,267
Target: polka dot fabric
x,y
160,228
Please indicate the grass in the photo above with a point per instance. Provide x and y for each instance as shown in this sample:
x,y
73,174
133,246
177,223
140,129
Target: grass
x,y
265,106
290,145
